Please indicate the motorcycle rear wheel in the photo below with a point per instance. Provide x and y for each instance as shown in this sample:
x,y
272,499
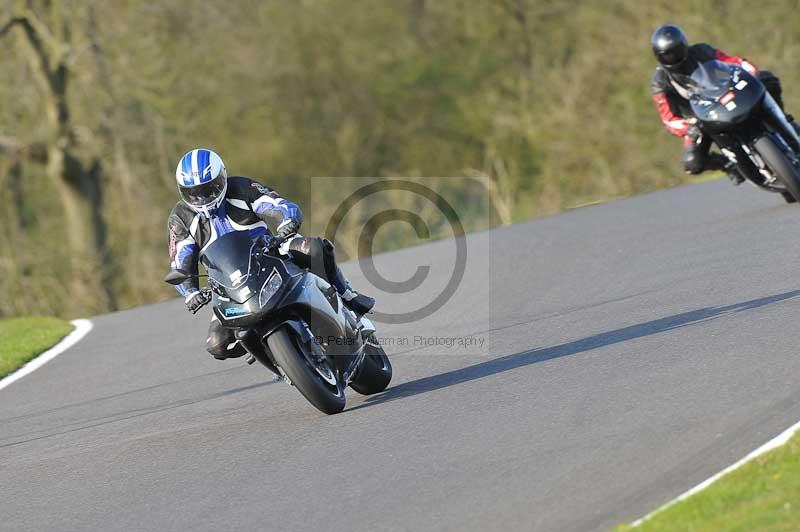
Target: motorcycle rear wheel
x,y
780,164
316,380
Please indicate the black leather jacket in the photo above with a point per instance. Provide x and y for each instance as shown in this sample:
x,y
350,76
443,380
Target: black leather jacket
x,y
248,205
668,88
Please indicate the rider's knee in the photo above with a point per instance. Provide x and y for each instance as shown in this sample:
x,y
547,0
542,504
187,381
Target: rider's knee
x,y
311,247
312,253
693,163
217,344
225,348
771,82
221,342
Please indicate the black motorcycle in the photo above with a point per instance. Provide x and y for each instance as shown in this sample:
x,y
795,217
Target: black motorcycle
x,y
751,130
291,320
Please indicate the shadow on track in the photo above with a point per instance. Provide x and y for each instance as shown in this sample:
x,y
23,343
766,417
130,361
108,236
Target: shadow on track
x,y
526,358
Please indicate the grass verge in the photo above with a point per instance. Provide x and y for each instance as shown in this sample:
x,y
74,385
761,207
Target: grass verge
x,y
21,339
763,494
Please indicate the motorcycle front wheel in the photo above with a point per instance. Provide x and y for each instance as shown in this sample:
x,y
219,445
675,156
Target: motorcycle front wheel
x,y
311,373
781,165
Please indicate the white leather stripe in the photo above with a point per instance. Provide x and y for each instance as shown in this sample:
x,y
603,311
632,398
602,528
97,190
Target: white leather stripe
x,y
213,237
194,225
247,227
284,249
182,244
681,90
195,171
239,204
236,226
266,199
179,247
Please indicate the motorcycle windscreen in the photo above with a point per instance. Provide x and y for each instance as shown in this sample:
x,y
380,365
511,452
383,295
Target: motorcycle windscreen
x,y
233,266
711,80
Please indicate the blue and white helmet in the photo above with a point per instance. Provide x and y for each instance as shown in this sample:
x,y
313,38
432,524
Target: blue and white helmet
x,y
202,180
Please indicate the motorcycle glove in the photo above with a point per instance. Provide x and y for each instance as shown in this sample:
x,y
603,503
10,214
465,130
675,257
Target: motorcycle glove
x,y
288,228
196,300
694,133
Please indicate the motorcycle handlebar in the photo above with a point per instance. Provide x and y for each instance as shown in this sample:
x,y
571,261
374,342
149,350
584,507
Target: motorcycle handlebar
x,y
274,242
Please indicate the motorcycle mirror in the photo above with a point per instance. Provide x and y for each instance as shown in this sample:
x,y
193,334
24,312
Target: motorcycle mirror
x,y
176,277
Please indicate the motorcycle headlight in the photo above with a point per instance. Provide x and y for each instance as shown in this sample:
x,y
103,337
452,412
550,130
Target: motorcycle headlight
x,y
270,288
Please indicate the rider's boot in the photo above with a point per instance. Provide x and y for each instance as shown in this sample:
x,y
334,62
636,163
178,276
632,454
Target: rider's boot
x,y
717,161
358,303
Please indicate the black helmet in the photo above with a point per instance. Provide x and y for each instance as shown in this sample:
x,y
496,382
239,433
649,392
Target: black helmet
x,y
670,46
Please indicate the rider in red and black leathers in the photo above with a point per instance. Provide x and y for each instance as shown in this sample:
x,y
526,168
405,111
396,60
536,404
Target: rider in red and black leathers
x,y
677,62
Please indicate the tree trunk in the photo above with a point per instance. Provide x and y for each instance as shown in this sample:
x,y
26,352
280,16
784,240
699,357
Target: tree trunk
x,y
77,182
80,193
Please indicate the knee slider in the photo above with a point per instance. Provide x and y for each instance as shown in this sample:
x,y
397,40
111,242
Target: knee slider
x,y
217,345
309,252
219,349
311,247
693,164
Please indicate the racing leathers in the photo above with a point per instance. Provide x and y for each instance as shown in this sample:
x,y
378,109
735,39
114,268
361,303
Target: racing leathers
x,y
248,206
671,98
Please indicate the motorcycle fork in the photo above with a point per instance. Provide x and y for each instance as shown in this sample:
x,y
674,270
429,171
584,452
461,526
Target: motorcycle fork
x,y
257,348
748,163
776,121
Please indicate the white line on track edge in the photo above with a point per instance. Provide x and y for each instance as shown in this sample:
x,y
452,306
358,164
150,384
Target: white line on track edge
x,y
775,442
82,328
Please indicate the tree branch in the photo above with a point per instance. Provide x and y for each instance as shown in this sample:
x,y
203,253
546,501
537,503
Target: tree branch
x,y
5,28
42,31
12,146
47,48
35,41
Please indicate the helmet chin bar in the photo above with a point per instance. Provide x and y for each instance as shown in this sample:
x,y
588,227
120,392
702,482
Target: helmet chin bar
x,y
677,68
207,210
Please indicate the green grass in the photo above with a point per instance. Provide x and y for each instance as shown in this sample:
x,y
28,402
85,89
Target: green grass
x,y
763,494
21,339
706,176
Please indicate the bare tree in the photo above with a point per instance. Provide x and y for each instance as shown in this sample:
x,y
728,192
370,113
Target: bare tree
x,y
47,45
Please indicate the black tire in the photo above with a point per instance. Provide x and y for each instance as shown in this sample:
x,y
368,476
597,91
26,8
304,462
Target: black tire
x,y
290,355
375,373
788,197
783,167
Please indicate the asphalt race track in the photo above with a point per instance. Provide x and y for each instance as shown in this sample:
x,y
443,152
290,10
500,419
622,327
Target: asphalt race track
x,y
629,351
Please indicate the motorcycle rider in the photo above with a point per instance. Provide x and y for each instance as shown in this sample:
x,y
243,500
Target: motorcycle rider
x,y
677,60
213,204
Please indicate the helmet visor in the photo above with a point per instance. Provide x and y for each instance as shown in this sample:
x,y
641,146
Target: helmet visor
x,y
205,194
671,57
